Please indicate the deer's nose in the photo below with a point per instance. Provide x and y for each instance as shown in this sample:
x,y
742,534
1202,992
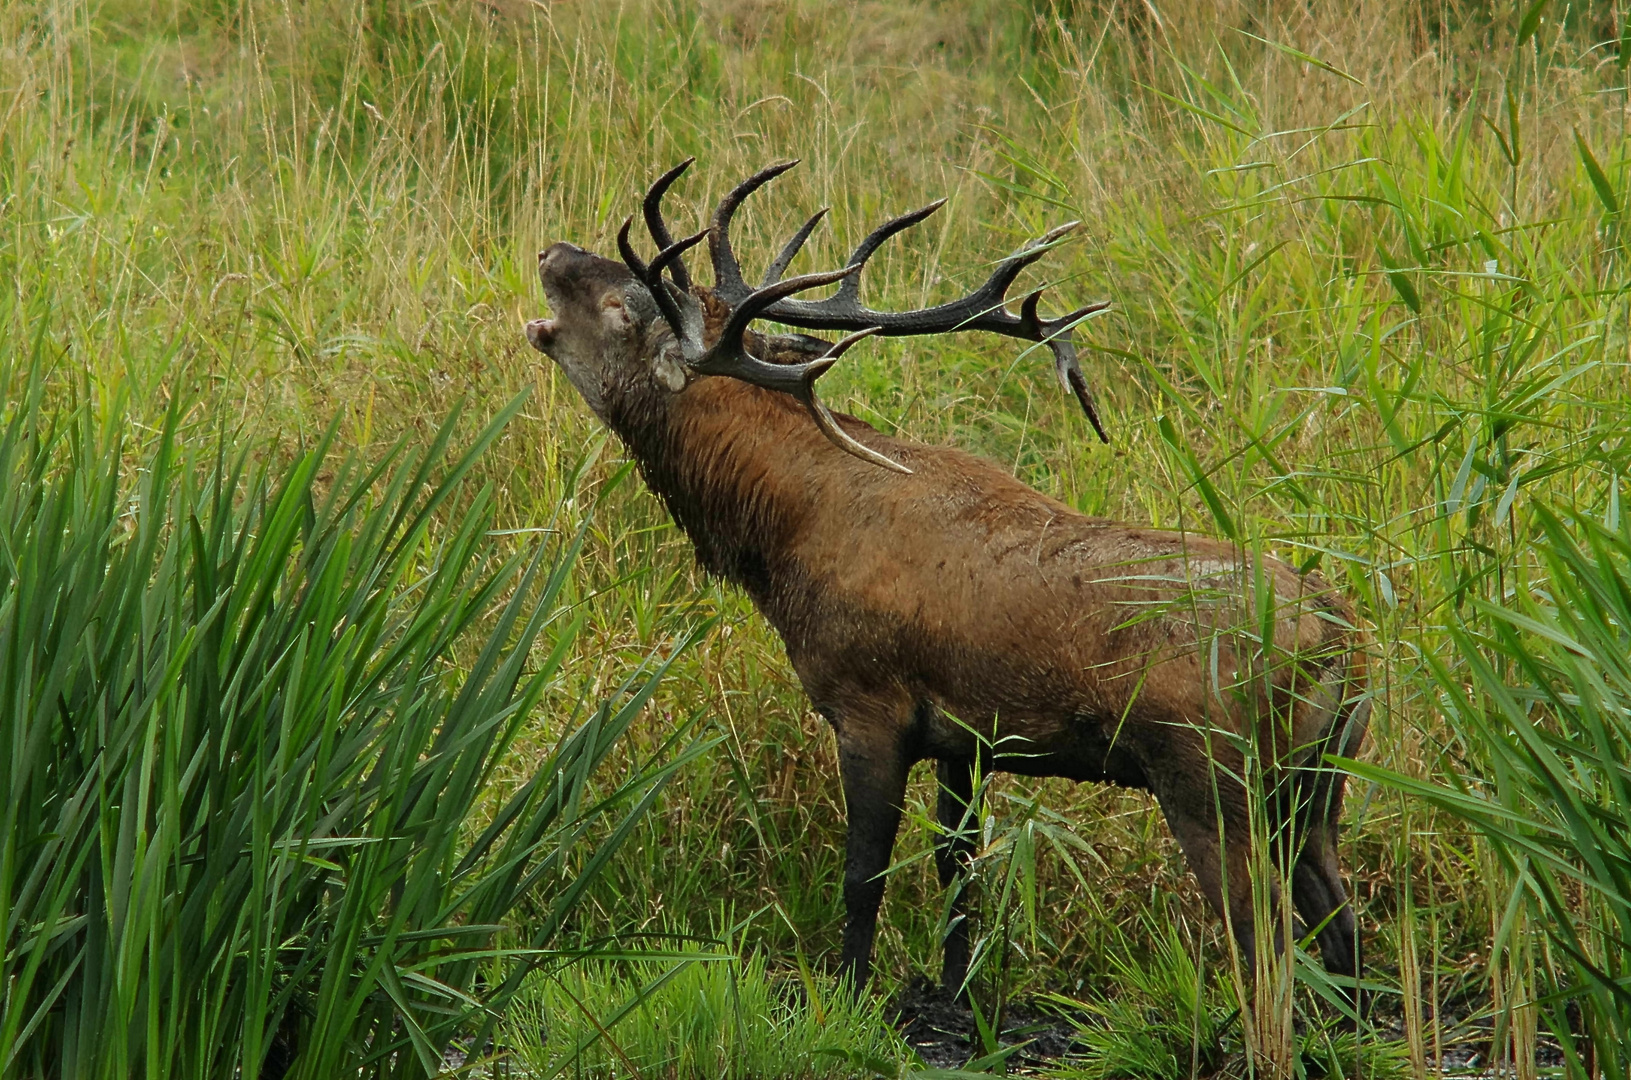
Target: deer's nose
x,y
555,252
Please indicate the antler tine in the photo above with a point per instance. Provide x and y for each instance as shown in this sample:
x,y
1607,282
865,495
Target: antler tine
x,y
1065,357
728,283
631,258
689,337
669,257
1052,236
653,207
652,278
849,292
1056,332
825,420
776,269
729,356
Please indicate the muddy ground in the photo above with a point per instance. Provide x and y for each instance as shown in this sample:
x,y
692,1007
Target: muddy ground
x,y
943,1032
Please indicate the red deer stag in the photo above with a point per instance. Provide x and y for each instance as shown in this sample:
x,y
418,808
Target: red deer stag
x,y
925,595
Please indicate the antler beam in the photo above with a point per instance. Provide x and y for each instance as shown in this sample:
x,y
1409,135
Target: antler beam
x,y
983,309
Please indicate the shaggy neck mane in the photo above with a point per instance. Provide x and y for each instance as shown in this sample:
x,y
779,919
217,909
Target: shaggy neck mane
x,y
713,454
710,453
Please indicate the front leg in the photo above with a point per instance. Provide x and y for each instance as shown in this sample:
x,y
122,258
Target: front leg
x,y
873,760
959,820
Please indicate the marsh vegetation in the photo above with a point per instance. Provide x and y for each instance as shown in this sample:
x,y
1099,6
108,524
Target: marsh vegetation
x,y
1370,285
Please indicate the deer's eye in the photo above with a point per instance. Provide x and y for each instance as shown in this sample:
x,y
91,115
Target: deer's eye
x,y
611,303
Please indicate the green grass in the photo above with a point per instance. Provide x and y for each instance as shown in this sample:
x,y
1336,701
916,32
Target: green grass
x,y
1166,1021
1545,729
1169,1018
714,1017
255,717
1369,274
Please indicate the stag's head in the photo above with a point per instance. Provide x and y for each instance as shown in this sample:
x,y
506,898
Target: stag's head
x,y
607,333
638,328
593,335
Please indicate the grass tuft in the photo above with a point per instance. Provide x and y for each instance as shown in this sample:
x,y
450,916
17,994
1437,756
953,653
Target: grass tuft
x,y
712,1016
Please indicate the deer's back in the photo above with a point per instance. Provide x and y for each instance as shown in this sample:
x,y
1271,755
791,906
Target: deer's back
x,y
995,602
972,594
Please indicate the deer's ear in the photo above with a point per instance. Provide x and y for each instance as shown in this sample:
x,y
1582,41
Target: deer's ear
x,y
669,370
614,313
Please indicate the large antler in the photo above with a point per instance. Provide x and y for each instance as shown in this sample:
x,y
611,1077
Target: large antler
x,y
983,309
729,354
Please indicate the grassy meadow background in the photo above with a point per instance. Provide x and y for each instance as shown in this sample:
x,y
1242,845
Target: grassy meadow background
x,y
1369,271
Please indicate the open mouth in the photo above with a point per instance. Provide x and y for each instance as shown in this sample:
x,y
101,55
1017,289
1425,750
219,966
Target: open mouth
x,y
541,334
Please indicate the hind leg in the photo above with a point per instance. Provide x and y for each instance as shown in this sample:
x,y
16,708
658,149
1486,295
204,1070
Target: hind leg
x,y
1219,858
1317,888
1322,901
1316,875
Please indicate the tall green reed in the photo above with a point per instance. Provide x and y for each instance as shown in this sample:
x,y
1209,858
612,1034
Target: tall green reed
x,y
253,716
1539,701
